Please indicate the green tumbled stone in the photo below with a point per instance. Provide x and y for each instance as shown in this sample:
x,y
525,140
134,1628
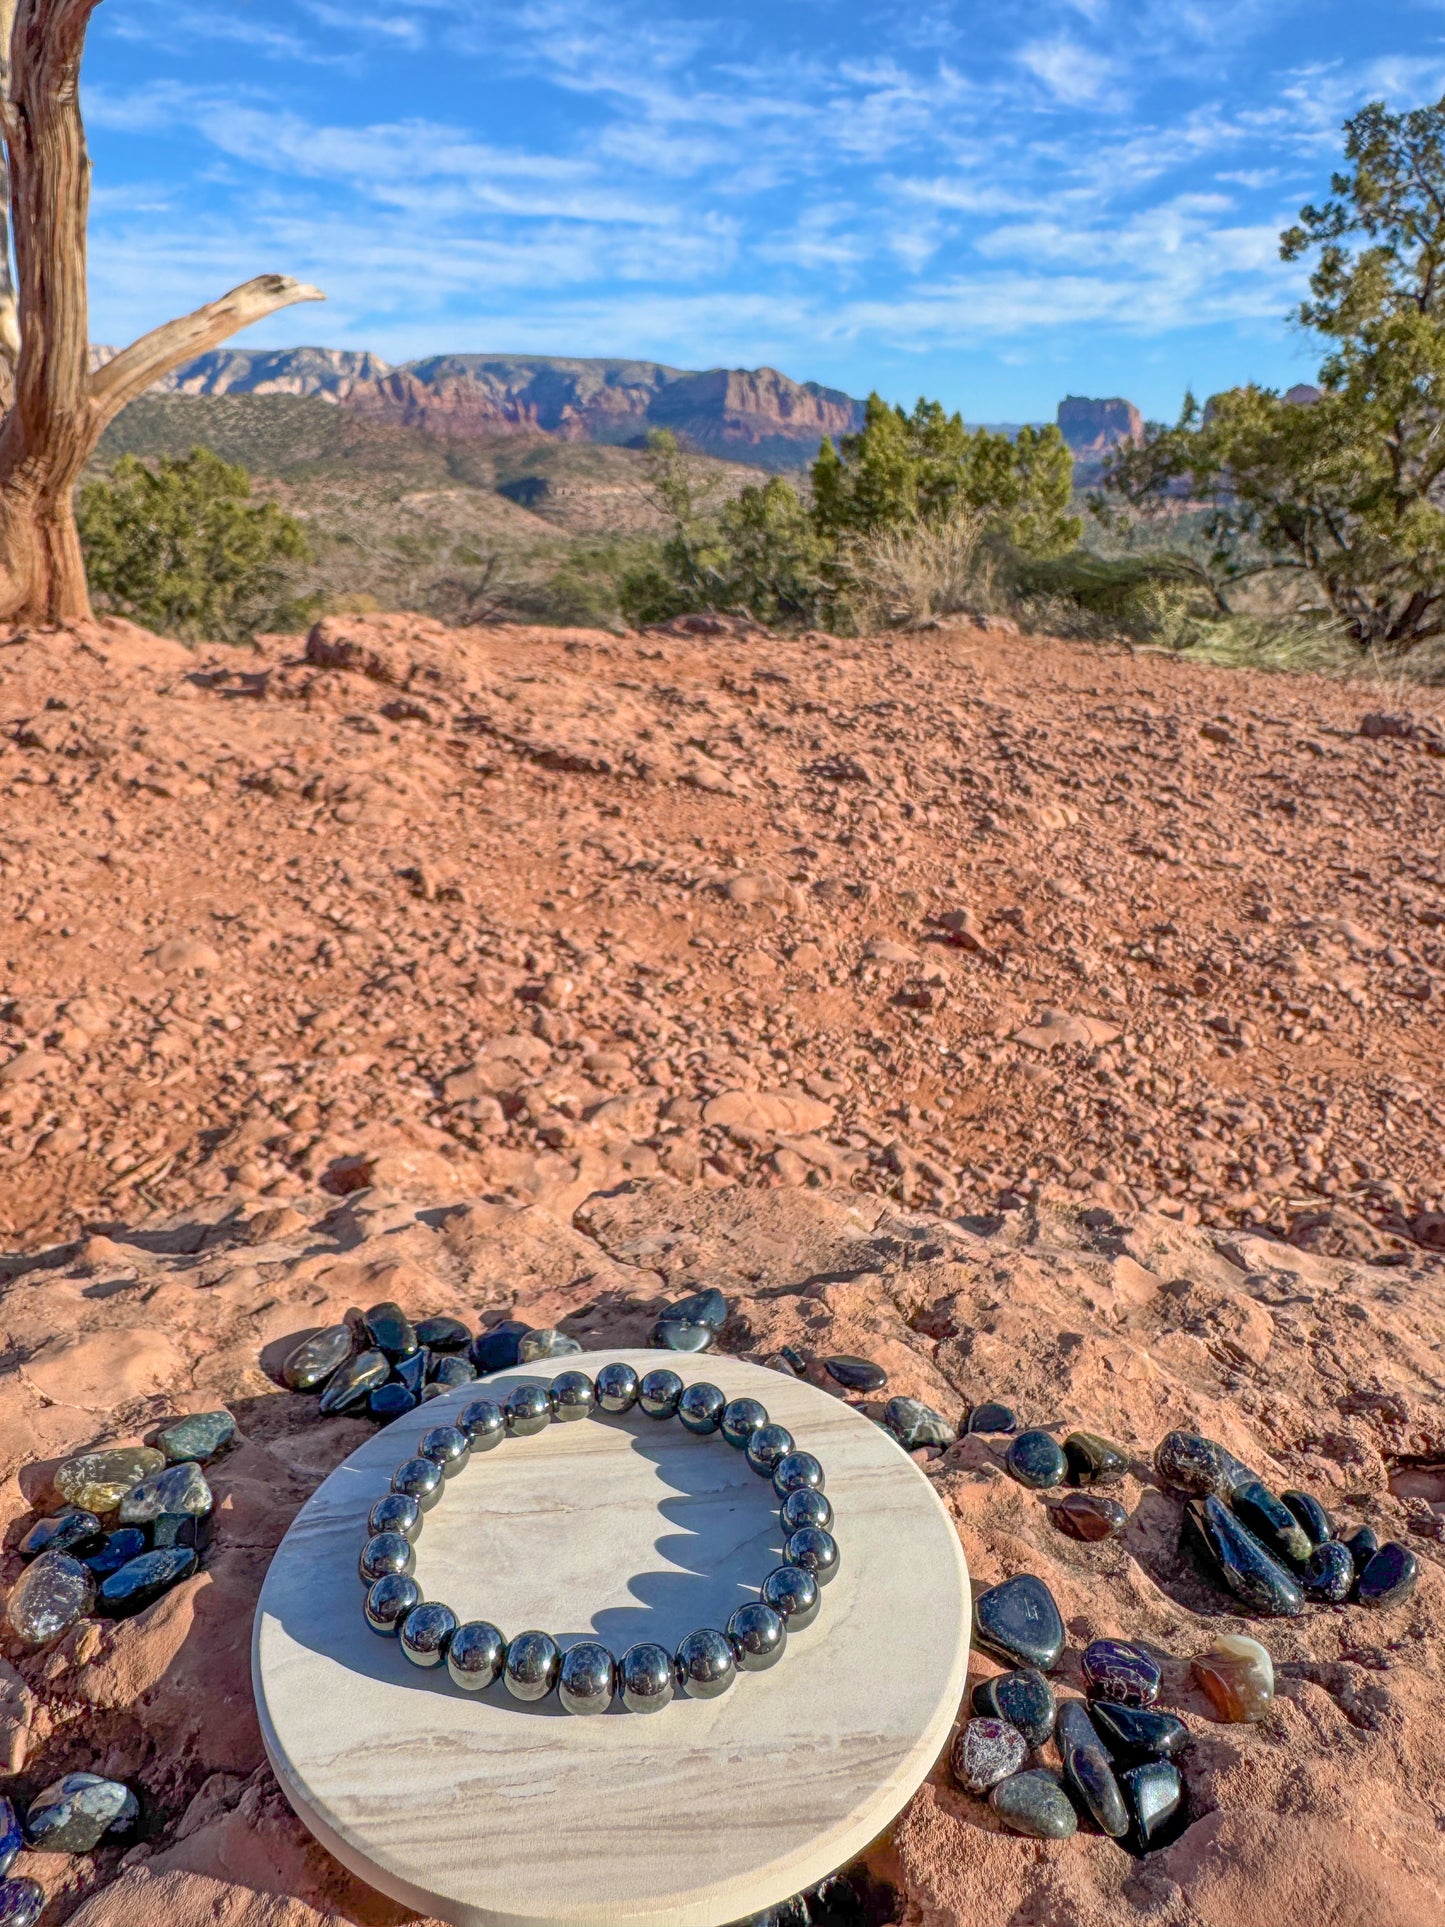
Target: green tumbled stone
x,y
49,1597
317,1357
98,1481
199,1437
180,1488
1035,1803
76,1813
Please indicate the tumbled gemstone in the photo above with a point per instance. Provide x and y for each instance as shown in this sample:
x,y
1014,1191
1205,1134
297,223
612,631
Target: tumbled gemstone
x,y
701,1408
389,1601
1024,1698
1088,1771
317,1357
21,1902
1094,1460
1271,1522
1035,1803
180,1488
1311,1515
1235,1559
1237,1676
12,1836
1389,1578
659,1391
741,1418
199,1437
497,1350
449,1368
354,1381
1189,1463
1363,1545
1036,1460
75,1814
913,1424
442,1333
98,1481
390,1330
992,1417
706,1307
142,1582
1121,1671
74,1530
1154,1794
1019,1621
180,1529
672,1335
546,1343
48,1597
855,1374
987,1751
411,1372
117,1551
1137,1732
795,1361
1089,1515
389,1401
1329,1573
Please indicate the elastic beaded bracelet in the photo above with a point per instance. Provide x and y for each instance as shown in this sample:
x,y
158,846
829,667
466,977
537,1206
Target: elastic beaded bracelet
x,y
587,1677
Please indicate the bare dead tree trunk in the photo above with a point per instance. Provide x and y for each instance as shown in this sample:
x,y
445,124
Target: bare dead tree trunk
x,y
9,306
60,409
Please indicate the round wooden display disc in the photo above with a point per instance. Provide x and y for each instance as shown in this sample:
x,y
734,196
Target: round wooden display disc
x,y
487,1813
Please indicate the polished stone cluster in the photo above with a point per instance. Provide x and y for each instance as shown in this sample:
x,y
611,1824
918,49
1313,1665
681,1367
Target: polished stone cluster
x,y
587,1677
134,1524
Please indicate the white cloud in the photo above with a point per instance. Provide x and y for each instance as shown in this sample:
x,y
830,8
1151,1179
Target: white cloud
x,y
1069,71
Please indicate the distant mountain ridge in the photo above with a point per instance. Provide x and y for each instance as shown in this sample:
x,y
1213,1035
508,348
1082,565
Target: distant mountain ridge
x,y
750,415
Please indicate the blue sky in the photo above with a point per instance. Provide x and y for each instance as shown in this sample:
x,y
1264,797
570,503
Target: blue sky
x,y
996,206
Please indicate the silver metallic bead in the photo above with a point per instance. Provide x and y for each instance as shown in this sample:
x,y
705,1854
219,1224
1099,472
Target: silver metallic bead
x,y
647,1676
766,1446
573,1395
617,1388
420,1479
528,1409
793,1592
706,1664
389,1601
426,1633
531,1667
701,1408
448,1446
805,1507
741,1418
588,1678
484,1422
475,1655
816,1551
395,1512
758,1636
797,1471
383,1553
659,1392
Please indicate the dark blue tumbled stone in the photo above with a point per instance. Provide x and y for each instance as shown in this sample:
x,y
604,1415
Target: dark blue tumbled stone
x,y
1390,1577
142,1582
72,1530
390,1330
1034,1803
707,1307
1036,1460
390,1401
1120,1671
1019,1622
118,1550
410,1373
12,1835
442,1333
672,1335
497,1350
21,1902
1272,1523
1329,1573
74,1814
354,1382
1232,1557
1137,1732
1024,1698
450,1368
1311,1515
1363,1545
913,1424
993,1419
1088,1770
856,1374
1154,1794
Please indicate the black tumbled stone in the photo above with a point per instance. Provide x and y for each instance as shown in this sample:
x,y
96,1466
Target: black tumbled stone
x,y
390,1401
1088,1770
1362,1546
117,1550
317,1357
1024,1698
991,1417
390,1330
442,1333
673,1335
1232,1557
1034,1803
793,1359
856,1374
706,1307
1190,1463
1120,1671
1019,1622
1271,1521
497,1350
1154,1794
1094,1460
142,1582
449,1368
73,1530
410,1373
1329,1573
1311,1515
1036,1460
913,1424
355,1381
1138,1732
1390,1577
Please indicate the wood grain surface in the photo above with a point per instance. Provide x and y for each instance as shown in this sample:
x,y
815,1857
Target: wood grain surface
x,y
486,1813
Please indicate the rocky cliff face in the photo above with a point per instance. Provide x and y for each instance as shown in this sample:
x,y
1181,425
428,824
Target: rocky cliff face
x,y
1092,427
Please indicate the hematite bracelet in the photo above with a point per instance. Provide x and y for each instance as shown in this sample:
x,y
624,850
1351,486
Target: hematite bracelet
x,y
586,1676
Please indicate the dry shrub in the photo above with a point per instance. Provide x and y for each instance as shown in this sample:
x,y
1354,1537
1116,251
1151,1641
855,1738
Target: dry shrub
x,y
901,578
